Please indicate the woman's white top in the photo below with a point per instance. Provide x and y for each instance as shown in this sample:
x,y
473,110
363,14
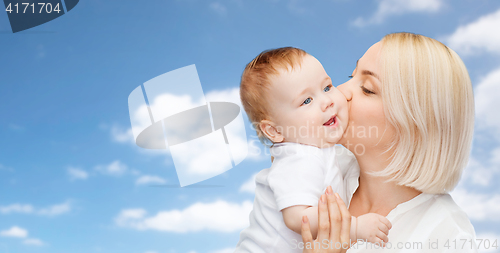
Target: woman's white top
x,y
426,223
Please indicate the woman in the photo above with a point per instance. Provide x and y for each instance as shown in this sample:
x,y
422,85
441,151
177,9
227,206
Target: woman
x,y
411,125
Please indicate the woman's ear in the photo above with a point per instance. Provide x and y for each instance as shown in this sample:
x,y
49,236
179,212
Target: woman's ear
x,y
270,131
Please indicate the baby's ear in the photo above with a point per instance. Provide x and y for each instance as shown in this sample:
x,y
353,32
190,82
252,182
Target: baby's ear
x,y
270,131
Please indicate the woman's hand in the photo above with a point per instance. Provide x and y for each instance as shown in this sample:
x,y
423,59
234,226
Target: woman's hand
x,y
334,224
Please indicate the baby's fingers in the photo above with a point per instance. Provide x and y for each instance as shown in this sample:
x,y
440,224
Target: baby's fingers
x,y
382,227
385,221
382,236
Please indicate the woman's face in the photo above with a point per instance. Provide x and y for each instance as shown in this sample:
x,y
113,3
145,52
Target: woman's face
x,y
367,132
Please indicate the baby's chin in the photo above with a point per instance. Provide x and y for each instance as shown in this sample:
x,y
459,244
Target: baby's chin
x,y
328,142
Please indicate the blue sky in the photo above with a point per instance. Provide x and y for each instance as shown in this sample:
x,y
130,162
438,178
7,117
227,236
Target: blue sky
x,y
73,181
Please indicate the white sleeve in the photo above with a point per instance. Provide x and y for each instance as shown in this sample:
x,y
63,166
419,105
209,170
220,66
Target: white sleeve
x,y
297,180
454,232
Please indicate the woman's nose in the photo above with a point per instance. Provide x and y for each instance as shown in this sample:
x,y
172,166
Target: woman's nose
x,y
346,90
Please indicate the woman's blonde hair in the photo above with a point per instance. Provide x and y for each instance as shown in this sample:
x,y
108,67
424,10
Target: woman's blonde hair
x,y
427,96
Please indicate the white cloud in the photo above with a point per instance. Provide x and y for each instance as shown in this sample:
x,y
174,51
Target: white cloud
x,y
495,158
249,185
388,8
257,151
77,174
209,149
483,172
55,210
220,216
141,118
116,168
476,173
122,135
18,232
16,208
480,35
130,214
149,179
125,135
208,159
218,8
486,96
478,206
34,242
15,231
228,95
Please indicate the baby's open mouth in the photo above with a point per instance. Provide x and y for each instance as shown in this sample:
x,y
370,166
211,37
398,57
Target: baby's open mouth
x,y
331,121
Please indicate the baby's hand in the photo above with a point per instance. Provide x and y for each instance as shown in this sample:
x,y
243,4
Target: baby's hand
x,y
373,228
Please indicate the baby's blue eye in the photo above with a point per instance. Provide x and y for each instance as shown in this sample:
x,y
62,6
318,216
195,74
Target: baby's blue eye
x,y
307,101
327,88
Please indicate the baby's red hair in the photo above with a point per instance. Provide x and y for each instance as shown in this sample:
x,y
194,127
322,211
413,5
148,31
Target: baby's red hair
x,y
255,80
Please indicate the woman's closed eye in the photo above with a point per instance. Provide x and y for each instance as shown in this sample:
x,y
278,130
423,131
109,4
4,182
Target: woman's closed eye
x,y
307,101
366,91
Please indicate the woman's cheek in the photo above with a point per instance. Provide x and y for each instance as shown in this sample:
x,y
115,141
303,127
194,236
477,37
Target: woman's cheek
x,y
367,123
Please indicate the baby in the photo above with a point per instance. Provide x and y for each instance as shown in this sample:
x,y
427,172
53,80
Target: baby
x,y
291,100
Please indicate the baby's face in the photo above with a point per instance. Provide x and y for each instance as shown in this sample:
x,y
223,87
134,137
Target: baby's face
x,y
305,106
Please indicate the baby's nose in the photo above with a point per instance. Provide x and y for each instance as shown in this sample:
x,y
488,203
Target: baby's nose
x,y
327,104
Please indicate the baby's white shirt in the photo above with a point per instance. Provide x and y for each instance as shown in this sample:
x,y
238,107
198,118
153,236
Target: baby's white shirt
x,y
298,176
